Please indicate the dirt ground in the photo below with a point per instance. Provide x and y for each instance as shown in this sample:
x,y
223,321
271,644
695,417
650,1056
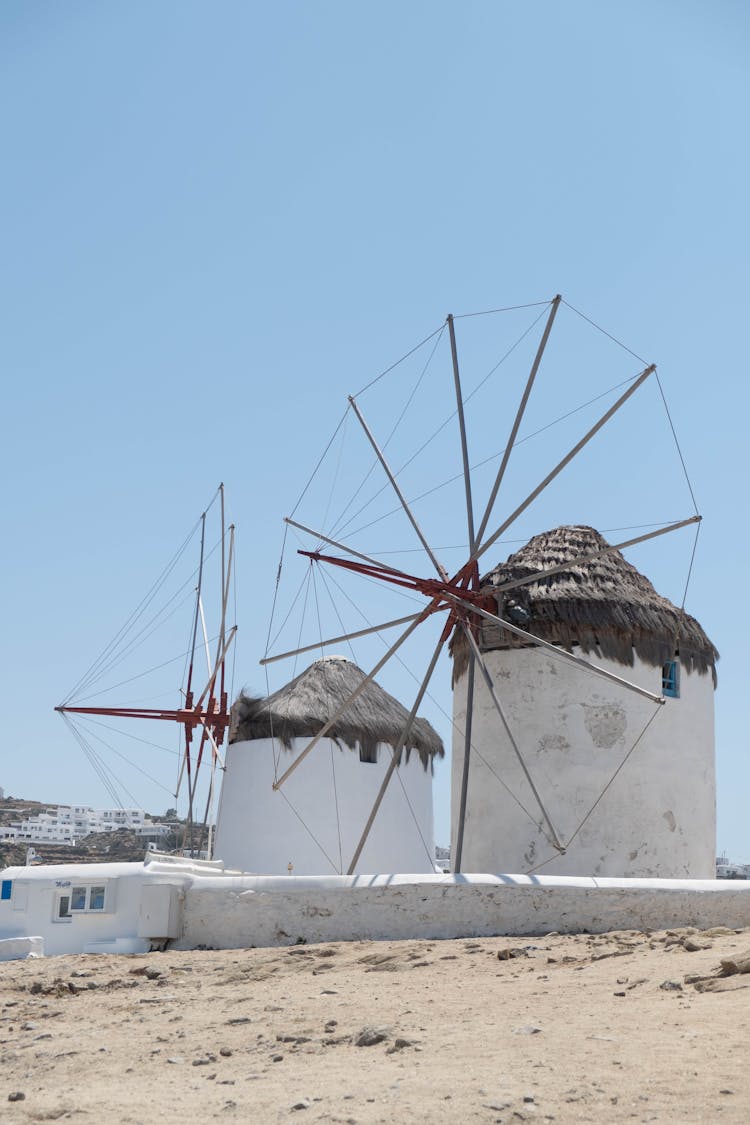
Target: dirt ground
x,y
606,1028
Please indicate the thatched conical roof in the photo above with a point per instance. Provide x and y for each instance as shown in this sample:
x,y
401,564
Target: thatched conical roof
x,y
302,707
605,606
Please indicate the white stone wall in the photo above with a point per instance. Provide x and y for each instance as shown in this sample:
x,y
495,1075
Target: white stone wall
x,y
574,730
264,831
237,913
226,910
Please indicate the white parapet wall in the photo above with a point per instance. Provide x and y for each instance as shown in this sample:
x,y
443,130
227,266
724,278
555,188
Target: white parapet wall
x,y
21,948
243,912
189,905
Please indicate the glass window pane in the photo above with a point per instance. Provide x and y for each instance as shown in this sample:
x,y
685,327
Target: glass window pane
x,y
78,898
96,898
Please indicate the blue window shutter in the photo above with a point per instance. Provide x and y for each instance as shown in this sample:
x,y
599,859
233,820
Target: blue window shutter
x,y
670,679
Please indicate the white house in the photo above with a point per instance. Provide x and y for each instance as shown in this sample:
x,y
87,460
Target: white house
x,y
66,824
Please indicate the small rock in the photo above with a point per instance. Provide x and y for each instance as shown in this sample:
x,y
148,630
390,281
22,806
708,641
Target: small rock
x,y
29,1026
225,1052
276,1058
175,1060
399,1045
529,1029
18,1096
369,1036
670,986
301,1105
693,946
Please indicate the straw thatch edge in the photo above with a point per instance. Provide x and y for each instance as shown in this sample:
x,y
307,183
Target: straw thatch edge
x,y
301,708
605,608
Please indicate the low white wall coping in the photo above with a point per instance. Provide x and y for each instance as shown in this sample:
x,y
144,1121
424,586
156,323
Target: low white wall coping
x,y
230,910
243,911
20,948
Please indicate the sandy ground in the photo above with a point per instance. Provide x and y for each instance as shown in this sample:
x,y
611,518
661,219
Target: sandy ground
x,y
603,1028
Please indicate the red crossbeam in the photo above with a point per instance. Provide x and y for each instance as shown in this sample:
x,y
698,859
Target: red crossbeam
x,y
441,592
216,718
462,585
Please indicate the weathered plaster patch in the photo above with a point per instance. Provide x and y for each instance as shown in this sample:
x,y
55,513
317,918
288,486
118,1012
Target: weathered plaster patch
x,y
605,723
670,819
553,742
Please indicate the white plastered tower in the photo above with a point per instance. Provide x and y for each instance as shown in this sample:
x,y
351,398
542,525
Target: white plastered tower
x,y
625,786
312,825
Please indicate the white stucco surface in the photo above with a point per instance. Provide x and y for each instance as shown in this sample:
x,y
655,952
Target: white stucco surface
x,y
21,948
575,732
264,912
315,821
229,910
33,908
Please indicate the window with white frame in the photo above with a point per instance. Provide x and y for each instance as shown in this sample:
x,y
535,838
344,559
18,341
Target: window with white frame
x,y
89,898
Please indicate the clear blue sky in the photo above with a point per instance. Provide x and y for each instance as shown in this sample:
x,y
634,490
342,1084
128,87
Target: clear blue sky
x,y
219,219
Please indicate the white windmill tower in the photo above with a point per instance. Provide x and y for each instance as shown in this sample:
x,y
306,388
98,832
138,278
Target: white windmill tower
x,y
596,781
310,826
484,715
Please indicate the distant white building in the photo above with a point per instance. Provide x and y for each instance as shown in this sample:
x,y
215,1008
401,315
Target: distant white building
x,y
67,824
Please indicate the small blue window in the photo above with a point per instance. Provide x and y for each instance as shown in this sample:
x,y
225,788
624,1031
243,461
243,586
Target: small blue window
x,y
6,888
670,679
78,898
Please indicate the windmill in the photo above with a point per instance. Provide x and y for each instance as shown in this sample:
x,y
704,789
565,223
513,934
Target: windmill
x,y
203,710
456,594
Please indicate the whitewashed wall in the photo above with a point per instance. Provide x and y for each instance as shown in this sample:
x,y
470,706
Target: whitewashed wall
x,y
574,729
226,910
32,910
242,912
264,831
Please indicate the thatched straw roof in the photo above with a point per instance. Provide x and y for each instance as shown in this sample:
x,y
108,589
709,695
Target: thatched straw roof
x,y
605,607
300,709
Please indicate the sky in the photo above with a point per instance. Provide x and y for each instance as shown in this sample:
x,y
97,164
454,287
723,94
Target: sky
x,y
218,221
